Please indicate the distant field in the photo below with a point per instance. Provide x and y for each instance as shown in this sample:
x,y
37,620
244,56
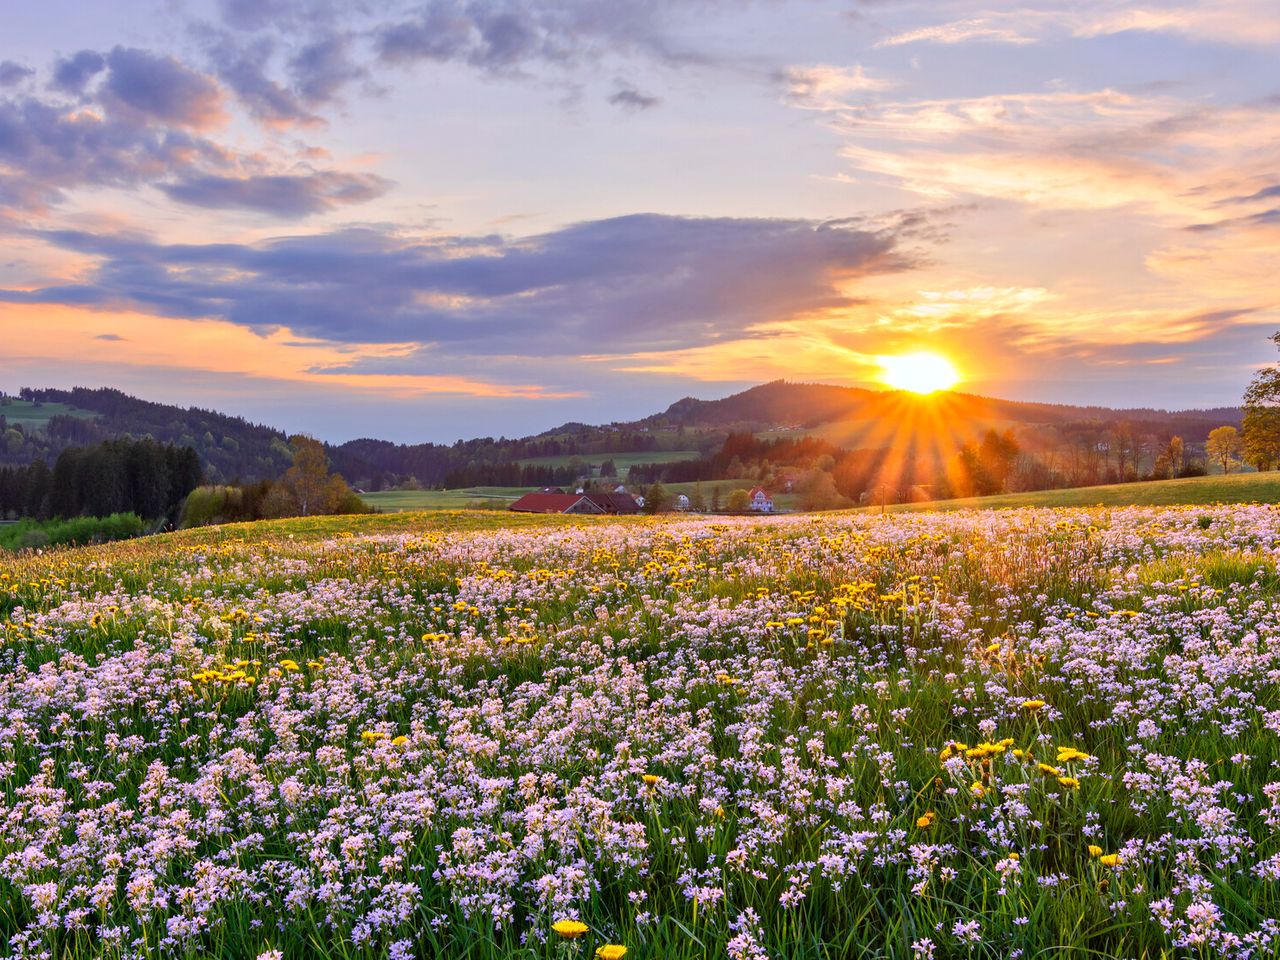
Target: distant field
x,y
1233,488
623,461
31,416
400,501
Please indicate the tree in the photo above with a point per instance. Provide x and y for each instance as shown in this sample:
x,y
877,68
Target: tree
x,y
697,502
1223,446
307,481
818,492
715,499
1261,425
1260,439
739,501
656,498
1174,453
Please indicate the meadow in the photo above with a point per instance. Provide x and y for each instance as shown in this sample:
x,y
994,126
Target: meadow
x,y
1250,487
1008,733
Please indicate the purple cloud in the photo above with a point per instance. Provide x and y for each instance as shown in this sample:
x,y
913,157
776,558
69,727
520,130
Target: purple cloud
x,y
160,89
291,195
636,283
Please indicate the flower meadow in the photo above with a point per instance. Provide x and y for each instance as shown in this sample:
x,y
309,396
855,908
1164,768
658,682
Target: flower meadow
x,y
984,734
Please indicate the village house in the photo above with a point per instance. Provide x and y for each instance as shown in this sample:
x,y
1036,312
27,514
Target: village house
x,y
543,501
760,500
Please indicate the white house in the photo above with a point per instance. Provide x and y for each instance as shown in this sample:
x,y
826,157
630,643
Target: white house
x,y
682,502
761,502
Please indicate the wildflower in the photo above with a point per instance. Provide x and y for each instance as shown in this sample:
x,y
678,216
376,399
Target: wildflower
x,y
400,741
1049,770
290,665
1069,782
1111,860
978,790
650,779
1031,706
611,951
926,821
1068,754
569,929
1095,850
372,736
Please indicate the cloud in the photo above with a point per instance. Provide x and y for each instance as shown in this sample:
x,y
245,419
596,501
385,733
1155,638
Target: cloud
x,y
1236,22
287,195
111,337
159,88
629,98
72,74
143,126
825,87
642,282
503,38
1066,149
242,66
321,69
960,31
12,73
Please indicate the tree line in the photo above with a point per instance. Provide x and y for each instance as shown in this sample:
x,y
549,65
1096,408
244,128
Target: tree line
x,y
141,477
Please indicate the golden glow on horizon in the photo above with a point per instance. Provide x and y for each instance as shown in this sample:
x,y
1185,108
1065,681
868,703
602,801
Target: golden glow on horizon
x,y
919,372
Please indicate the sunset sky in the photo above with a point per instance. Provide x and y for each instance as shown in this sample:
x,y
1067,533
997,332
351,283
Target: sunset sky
x,y
433,220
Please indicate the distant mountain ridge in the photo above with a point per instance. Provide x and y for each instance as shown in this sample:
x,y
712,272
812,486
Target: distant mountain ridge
x,y
234,449
781,402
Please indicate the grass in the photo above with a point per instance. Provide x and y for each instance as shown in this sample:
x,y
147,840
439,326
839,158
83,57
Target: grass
x,y
459,705
401,501
1185,491
35,417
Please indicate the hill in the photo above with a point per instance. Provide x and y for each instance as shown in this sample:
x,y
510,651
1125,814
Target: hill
x,y
40,423
1184,491
809,406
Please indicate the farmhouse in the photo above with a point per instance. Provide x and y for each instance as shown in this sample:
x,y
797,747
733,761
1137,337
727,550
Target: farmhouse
x,y
761,501
554,503
582,503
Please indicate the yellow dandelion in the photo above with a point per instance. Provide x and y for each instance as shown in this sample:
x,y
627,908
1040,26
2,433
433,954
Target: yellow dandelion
x,y
1070,782
611,951
1095,850
926,821
1031,706
1111,860
569,929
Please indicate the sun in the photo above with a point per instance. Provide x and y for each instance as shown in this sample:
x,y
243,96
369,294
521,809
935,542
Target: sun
x,y
918,372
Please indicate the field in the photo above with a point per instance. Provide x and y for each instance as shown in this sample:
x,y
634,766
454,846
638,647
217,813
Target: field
x,y
982,734
1218,488
623,461
35,416
398,501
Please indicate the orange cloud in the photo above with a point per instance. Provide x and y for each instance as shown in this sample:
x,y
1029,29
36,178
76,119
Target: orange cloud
x,y
56,333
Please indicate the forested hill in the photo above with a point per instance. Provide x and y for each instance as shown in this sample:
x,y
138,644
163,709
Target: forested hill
x,y
808,405
41,423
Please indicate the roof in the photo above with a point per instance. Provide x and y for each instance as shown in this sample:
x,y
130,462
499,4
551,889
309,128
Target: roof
x,y
614,502
754,490
545,502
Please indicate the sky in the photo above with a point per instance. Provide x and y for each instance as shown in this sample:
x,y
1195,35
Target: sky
x,y
425,220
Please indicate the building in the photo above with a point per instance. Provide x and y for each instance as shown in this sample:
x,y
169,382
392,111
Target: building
x,y
618,503
760,500
682,502
544,501
554,503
